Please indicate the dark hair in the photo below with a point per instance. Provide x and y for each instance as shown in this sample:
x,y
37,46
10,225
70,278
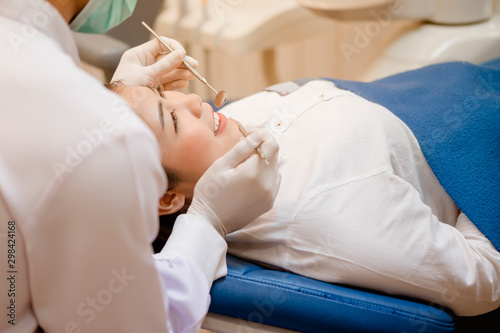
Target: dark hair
x,y
174,177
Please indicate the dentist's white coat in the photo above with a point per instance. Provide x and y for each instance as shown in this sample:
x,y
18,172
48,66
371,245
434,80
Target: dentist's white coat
x,y
80,179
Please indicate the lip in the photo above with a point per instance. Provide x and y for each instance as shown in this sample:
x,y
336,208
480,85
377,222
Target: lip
x,y
222,123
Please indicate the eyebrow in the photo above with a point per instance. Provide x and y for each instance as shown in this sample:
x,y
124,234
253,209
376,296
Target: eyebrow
x,y
151,88
160,108
160,114
158,90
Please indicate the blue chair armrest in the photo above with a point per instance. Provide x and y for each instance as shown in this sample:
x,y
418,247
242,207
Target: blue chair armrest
x,y
251,292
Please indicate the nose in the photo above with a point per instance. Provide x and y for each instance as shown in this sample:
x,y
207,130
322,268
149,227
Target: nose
x,y
193,104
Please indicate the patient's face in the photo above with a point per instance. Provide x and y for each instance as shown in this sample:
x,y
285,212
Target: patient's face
x,y
185,128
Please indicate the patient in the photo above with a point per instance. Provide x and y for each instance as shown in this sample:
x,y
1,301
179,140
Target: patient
x,y
358,203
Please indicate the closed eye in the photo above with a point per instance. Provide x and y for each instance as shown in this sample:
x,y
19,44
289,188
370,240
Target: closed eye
x,y
174,119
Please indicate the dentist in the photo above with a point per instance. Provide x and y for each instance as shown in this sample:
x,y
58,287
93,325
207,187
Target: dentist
x,y
80,179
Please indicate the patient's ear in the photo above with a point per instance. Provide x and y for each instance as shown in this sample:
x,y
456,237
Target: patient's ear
x,y
171,202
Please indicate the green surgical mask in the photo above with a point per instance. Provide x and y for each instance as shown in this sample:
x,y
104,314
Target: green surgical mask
x,y
98,16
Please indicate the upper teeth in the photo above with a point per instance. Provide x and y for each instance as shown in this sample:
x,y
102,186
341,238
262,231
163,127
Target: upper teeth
x,y
216,118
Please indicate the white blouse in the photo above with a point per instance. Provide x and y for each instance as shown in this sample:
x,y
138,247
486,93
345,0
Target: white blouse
x,y
358,203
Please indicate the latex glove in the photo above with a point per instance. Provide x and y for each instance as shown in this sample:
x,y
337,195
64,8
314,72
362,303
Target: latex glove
x,y
144,65
239,186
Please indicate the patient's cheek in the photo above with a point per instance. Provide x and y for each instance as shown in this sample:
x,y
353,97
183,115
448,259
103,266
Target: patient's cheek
x,y
196,156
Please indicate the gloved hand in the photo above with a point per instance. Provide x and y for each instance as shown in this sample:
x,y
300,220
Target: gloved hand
x,y
144,65
239,186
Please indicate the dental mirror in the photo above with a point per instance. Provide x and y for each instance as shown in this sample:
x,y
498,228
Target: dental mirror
x,y
220,98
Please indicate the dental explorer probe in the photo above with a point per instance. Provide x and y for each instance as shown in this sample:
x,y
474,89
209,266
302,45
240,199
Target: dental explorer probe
x,y
258,150
220,97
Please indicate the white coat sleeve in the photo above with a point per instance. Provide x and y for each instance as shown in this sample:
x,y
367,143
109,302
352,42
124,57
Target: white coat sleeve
x,y
192,258
98,273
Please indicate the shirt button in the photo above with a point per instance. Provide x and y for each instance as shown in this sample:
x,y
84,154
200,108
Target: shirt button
x,y
277,125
